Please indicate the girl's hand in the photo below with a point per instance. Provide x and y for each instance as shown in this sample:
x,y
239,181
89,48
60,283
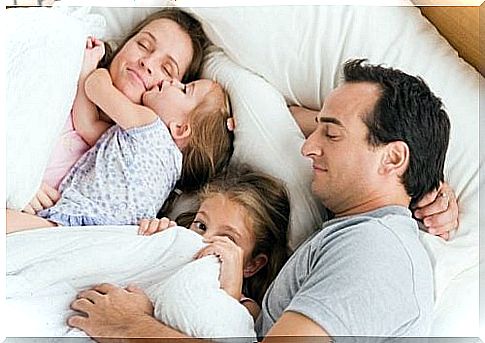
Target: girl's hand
x,y
150,226
93,53
439,211
232,263
46,197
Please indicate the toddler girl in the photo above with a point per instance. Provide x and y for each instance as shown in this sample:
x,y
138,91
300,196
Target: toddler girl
x,y
182,136
244,217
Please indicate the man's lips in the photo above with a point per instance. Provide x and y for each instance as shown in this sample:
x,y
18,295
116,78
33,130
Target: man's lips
x,y
319,168
138,77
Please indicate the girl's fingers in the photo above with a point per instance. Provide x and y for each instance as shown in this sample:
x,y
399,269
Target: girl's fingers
x,y
36,205
143,226
51,192
172,224
44,200
29,209
152,226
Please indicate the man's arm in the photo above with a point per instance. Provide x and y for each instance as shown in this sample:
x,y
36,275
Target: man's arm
x,y
101,91
115,314
292,325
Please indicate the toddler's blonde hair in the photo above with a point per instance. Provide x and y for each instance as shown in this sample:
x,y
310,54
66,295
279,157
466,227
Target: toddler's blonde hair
x,y
210,145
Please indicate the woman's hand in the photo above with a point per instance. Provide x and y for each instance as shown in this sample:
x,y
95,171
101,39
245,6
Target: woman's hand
x,y
150,226
439,211
232,262
46,197
93,53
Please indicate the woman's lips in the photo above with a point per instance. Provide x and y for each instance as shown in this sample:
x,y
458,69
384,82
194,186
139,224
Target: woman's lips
x,y
138,78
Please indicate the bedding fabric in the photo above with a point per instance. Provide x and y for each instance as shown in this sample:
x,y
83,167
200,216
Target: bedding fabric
x,y
43,279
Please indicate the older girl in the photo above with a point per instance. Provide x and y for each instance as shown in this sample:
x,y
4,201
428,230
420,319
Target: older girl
x,y
244,218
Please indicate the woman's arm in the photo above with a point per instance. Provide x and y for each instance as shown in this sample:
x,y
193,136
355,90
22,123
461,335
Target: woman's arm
x,y
85,114
305,119
100,90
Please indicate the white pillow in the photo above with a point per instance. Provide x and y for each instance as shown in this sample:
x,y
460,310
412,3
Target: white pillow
x,y
42,73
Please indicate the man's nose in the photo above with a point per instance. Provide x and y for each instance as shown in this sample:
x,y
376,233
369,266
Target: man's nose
x,y
310,147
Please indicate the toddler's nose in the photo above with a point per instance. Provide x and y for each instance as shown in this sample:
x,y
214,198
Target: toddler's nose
x,y
178,84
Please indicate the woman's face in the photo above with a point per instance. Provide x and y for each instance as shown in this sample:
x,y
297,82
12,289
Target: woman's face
x,y
160,51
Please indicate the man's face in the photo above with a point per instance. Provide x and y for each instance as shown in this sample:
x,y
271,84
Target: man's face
x,y
345,166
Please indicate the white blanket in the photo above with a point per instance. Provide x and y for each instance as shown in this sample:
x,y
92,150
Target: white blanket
x,y
43,279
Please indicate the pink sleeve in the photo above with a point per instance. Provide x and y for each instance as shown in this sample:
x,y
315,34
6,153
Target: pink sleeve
x,y
67,150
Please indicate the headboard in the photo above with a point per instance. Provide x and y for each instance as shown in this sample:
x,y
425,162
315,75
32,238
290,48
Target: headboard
x,y
460,25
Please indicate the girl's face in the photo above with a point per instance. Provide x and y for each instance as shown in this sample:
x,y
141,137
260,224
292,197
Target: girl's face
x,y
172,101
219,216
160,51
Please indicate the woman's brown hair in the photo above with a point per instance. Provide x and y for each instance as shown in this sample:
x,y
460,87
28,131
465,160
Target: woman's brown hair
x,y
267,202
188,24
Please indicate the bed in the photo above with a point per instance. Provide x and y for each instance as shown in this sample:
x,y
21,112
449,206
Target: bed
x,y
267,57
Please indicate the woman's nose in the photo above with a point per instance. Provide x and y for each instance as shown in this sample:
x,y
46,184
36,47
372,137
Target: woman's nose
x,y
145,64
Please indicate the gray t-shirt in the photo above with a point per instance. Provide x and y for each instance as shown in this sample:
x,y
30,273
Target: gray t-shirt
x,y
365,275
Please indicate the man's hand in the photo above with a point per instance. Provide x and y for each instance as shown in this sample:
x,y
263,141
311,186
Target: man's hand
x,y
110,310
46,197
439,211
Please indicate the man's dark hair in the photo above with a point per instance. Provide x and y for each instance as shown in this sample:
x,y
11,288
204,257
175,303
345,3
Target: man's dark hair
x,y
406,111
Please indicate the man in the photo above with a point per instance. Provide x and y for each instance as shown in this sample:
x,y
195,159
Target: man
x,y
378,147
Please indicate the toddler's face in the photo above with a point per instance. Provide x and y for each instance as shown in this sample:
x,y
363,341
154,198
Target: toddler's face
x,y
173,101
220,216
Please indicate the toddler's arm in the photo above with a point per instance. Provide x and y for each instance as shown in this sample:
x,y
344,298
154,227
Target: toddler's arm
x,y
85,114
101,91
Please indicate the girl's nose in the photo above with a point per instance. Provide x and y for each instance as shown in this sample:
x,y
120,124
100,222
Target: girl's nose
x,y
178,84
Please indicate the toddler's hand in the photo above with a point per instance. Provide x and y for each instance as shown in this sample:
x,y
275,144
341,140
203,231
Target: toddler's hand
x,y
93,53
150,226
46,197
232,263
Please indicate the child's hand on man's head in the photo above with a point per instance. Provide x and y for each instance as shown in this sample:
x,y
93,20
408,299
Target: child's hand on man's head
x,y
150,226
93,53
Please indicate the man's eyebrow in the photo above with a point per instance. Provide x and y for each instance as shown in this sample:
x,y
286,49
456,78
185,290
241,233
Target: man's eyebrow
x,y
169,56
330,120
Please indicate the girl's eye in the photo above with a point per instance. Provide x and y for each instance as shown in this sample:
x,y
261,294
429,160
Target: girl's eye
x,y
198,225
143,46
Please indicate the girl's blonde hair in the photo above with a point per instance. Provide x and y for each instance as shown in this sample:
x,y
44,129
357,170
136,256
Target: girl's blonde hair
x,y
266,200
210,145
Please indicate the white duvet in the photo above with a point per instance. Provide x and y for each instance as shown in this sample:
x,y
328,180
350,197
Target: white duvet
x,y
43,279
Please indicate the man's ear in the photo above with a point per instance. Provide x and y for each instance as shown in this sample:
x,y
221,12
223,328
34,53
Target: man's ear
x,y
395,159
179,132
253,266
